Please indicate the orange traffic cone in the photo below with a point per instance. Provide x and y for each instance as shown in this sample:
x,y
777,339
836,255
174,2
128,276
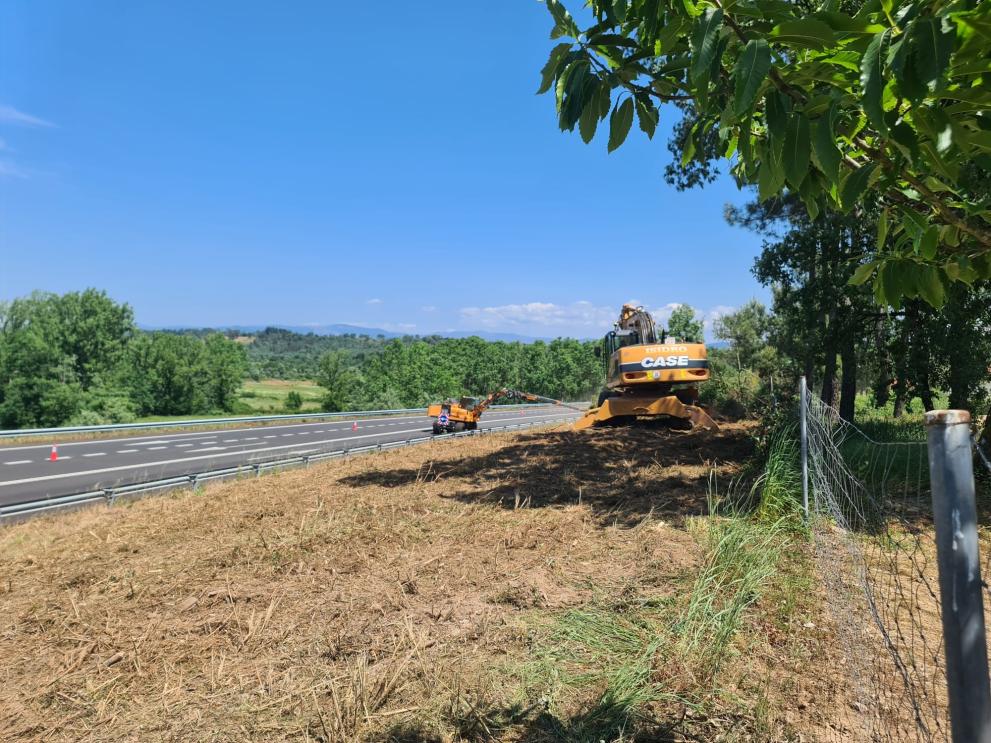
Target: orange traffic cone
x,y
354,426
53,457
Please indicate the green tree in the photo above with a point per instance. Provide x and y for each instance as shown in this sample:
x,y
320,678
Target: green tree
x,y
56,349
336,378
167,375
294,401
842,105
746,330
226,363
684,325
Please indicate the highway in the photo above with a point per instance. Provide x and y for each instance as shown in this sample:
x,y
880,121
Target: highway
x,y
27,474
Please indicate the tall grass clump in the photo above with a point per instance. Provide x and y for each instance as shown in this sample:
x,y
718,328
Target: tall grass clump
x,y
777,490
742,554
748,527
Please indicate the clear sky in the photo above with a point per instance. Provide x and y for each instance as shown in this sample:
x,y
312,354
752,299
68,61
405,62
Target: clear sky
x,y
383,164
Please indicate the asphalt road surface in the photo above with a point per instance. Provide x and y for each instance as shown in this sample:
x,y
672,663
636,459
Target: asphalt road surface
x,y
27,474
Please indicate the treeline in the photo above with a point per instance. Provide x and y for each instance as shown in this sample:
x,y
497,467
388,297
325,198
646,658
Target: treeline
x,y
857,353
277,353
79,359
409,373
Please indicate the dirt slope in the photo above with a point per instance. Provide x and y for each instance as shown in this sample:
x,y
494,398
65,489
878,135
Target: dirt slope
x,y
384,598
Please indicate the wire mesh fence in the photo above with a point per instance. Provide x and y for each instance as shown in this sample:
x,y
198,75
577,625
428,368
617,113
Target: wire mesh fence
x,y
876,551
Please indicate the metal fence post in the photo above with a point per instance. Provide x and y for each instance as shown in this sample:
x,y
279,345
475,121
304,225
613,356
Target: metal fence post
x,y
951,474
803,393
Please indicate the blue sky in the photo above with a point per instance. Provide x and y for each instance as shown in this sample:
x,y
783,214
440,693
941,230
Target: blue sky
x,y
319,162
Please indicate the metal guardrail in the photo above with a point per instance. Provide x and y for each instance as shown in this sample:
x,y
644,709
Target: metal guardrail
x,y
109,495
66,430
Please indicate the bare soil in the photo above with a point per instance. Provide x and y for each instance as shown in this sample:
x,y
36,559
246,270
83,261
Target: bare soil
x,y
383,598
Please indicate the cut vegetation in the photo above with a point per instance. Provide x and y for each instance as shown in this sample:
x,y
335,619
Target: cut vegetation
x,y
558,586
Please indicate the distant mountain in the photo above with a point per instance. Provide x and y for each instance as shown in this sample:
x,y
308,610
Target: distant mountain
x,y
345,329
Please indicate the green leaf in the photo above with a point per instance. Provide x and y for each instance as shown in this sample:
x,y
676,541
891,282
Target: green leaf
x,y
564,24
827,153
613,40
842,23
882,230
863,273
931,285
588,121
619,8
550,69
872,81
903,64
797,150
647,116
705,43
928,243
771,176
982,264
751,70
776,113
855,185
619,123
891,278
931,45
807,33
913,223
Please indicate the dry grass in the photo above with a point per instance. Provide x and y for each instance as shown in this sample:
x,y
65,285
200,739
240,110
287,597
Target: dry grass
x,y
392,597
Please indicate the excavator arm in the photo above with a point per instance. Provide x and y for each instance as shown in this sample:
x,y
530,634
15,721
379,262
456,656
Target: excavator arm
x,y
511,394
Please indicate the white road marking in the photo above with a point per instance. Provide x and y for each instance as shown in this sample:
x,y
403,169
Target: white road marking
x,y
149,443
288,434
252,438
129,451
153,448
269,437
20,461
123,467
209,448
94,454
180,446
133,440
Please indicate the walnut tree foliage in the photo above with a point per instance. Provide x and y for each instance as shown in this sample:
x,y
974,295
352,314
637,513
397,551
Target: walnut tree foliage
x,y
884,102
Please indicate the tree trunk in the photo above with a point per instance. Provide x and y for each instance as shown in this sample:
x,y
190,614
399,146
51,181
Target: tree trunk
x,y
848,383
899,401
985,440
829,375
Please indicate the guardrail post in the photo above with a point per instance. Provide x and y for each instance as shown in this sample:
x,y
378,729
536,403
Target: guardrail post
x,y
951,475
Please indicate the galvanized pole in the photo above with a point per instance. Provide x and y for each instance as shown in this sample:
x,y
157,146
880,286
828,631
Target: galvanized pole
x,y
803,392
951,474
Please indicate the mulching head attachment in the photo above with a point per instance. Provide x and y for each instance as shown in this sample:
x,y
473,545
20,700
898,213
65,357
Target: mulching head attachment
x,y
630,407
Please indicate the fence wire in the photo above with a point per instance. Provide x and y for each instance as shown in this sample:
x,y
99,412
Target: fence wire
x,y
982,482
876,551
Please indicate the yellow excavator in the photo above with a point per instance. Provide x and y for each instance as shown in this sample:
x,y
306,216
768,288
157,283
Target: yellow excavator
x,y
649,375
462,414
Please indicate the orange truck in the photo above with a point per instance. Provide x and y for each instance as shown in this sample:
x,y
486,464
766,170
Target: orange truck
x,y
462,414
